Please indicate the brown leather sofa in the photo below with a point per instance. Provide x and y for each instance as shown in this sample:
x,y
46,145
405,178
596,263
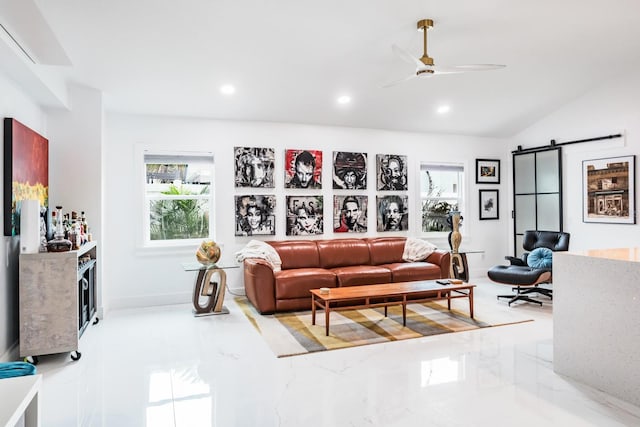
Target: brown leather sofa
x,y
312,264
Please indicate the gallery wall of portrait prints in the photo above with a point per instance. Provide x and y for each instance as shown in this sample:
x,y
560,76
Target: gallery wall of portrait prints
x,y
349,212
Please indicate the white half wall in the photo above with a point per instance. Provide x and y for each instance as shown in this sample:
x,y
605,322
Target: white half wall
x,y
609,109
136,276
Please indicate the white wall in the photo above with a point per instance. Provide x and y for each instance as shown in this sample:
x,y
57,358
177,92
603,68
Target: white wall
x,y
13,103
75,163
611,108
137,277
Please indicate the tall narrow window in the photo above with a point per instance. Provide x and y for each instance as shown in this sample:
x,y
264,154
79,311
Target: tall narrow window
x,y
441,192
178,198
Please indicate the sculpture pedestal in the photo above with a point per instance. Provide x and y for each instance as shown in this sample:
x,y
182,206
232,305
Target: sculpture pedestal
x,y
209,288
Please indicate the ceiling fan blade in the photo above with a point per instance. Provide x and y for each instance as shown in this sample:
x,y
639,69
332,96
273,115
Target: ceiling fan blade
x,y
395,82
464,68
406,56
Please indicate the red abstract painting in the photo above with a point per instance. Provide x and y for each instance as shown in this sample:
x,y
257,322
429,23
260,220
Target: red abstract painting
x,y
26,171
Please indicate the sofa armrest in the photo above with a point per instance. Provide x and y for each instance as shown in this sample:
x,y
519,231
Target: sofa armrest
x,y
441,258
259,284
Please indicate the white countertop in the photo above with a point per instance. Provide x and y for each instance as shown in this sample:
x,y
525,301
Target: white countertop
x,y
620,254
16,394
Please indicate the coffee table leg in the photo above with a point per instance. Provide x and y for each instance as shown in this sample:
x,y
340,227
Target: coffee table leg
x,y
327,309
404,310
471,302
313,309
449,300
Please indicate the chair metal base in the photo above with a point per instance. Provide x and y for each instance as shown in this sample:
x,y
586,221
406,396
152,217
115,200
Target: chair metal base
x,y
521,294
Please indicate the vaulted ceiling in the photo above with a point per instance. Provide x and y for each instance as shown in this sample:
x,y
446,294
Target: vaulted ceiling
x,y
289,60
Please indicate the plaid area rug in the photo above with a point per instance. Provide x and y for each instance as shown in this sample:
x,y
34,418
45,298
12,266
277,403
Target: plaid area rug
x,y
290,334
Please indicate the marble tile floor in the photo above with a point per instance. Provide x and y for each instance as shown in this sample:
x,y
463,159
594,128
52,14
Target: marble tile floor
x,y
161,366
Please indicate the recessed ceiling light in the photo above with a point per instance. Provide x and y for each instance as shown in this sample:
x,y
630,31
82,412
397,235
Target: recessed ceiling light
x,y
443,109
344,99
227,89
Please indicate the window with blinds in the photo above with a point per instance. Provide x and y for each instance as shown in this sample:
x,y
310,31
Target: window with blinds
x,y
441,191
178,197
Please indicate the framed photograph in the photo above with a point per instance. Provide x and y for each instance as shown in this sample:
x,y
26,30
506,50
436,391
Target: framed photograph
x,y
304,215
608,190
393,213
255,215
489,204
350,214
487,171
303,169
26,172
391,171
254,167
349,170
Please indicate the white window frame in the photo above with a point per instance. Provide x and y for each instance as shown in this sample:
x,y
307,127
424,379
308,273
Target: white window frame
x,y
174,157
462,193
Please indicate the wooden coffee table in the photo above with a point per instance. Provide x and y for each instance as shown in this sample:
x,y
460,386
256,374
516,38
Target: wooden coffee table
x,y
390,293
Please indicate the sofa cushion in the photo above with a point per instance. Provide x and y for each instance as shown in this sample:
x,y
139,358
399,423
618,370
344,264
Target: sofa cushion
x,y
386,250
297,283
361,275
410,271
297,253
343,252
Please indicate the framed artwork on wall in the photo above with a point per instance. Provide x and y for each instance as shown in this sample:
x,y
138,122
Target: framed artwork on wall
x,y
304,215
255,215
350,214
254,167
393,213
489,204
303,169
608,190
26,172
391,170
349,170
487,171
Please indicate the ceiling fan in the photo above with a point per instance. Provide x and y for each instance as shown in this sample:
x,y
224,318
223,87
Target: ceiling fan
x,y
425,66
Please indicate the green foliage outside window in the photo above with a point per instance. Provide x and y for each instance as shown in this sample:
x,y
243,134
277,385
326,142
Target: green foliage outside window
x,y
180,218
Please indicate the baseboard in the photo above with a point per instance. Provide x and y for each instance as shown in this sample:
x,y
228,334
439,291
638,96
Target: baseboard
x,y
12,354
149,301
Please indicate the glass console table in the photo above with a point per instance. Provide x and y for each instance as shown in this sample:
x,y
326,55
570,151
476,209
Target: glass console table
x,y
210,290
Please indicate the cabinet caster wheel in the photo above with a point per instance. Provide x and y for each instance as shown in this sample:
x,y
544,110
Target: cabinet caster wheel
x,y
75,355
31,359
95,322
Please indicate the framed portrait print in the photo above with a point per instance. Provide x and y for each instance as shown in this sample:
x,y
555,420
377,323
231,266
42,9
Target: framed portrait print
x,y
487,171
489,204
608,190
349,170
304,215
391,170
303,169
254,167
255,215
